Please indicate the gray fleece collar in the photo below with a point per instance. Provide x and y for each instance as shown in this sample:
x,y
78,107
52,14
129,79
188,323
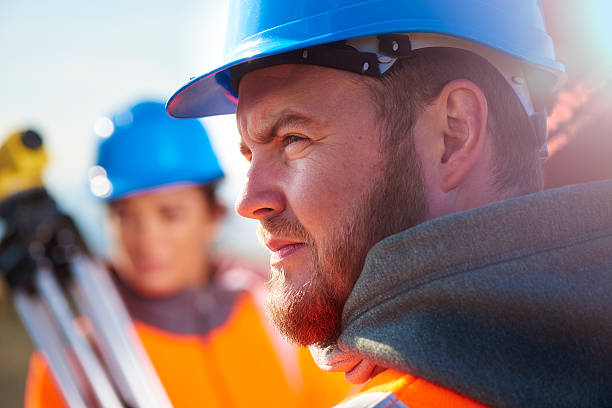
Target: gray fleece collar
x,y
509,304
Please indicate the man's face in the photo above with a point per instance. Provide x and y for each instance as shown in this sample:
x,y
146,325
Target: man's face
x,y
321,186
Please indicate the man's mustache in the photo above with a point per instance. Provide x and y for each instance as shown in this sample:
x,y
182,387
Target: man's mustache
x,y
282,227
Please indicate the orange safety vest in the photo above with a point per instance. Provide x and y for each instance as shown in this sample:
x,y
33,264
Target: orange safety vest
x,y
234,365
392,389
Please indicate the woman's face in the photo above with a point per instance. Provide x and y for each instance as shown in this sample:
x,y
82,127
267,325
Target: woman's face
x,y
162,239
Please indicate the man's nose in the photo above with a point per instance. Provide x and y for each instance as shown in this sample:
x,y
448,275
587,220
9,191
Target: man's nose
x,y
261,196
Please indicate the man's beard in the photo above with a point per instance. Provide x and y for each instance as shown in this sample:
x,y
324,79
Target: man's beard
x,y
312,313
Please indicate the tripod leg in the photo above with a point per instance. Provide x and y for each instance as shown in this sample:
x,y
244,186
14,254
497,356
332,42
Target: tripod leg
x,y
50,291
120,344
47,338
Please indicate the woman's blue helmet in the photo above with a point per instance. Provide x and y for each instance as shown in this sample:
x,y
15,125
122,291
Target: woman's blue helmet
x,y
143,148
261,29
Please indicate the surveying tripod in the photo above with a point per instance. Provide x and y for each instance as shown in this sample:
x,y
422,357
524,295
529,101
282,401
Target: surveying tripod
x,y
65,299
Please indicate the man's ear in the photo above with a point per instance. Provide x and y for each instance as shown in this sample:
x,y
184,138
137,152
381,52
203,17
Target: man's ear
x,y
464,129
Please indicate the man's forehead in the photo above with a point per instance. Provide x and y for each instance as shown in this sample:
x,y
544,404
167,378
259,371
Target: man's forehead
x,y
272,93
271,86
286,73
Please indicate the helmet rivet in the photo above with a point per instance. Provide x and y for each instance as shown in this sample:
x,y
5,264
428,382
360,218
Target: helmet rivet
x,y
518,80
394,45
305,54
365,67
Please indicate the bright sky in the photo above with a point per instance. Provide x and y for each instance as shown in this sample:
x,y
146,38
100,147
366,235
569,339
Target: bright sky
x,y
599,12
65,63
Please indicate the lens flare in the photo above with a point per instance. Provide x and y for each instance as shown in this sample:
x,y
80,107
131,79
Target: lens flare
x,y
599,25
95,171
100,186
103,127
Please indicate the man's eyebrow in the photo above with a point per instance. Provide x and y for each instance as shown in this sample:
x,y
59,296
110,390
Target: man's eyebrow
x,y
289,119
286,119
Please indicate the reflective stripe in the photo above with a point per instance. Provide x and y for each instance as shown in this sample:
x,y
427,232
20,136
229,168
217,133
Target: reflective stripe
x,y
412,391
374,400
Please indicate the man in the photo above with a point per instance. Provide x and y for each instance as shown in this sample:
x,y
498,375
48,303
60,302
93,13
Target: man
x,y
197,313
394,148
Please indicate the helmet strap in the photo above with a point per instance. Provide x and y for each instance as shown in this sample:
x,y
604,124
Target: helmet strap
x,y
338,55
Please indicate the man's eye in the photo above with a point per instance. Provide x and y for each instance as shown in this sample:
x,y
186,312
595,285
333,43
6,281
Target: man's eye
x,y
289,139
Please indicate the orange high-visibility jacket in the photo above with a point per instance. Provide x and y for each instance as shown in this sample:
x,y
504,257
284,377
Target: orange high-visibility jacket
x,y
239,362
392,389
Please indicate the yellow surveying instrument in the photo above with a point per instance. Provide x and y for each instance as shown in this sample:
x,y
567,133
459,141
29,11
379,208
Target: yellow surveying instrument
x,y
53,279
22,160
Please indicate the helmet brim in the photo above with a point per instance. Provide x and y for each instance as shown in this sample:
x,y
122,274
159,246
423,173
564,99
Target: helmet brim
x,y
202,96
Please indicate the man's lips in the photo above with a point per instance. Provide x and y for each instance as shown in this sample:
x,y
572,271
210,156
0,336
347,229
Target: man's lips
x,y
282,249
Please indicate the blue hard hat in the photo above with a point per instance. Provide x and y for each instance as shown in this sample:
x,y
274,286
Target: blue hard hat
x,y
143,148
264,28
